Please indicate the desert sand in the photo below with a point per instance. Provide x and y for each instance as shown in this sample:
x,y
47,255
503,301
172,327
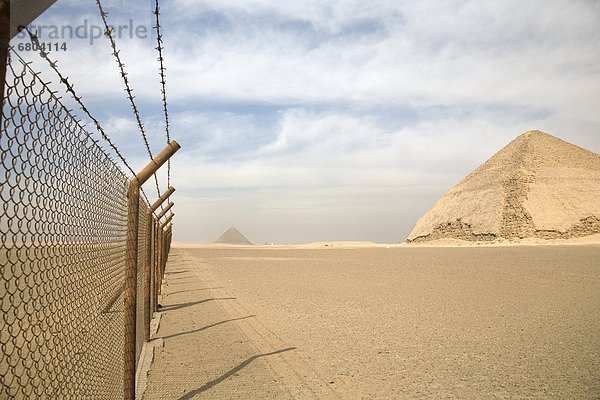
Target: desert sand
x,y
538,186
495,294
380,323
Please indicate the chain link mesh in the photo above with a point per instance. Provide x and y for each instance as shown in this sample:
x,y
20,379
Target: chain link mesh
x,y
63,231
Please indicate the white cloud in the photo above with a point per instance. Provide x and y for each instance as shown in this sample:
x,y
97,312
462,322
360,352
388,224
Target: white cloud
x,y
453,53
374,108
536,55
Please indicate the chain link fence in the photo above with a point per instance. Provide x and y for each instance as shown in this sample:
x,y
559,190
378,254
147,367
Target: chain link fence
x,y
63,231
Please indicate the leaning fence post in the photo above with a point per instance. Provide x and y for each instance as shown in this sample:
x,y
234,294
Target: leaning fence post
x,y
164,251
133,214
150,258
165,210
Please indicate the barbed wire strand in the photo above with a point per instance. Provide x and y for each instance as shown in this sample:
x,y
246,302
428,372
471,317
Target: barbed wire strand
x,y
71,90
116,54
159,48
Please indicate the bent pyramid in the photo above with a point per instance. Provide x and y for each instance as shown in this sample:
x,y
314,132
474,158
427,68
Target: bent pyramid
x,y
537,186
232,236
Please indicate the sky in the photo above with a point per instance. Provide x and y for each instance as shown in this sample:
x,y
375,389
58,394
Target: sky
x,y
316,120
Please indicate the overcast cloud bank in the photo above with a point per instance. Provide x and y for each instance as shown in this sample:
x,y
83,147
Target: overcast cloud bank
x,y
314,120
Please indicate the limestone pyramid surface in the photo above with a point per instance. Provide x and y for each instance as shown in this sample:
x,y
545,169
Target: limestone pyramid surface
x,y
232,236
538,186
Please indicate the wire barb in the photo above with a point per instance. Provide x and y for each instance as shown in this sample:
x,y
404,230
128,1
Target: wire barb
x,y
163,81
71,89
108,32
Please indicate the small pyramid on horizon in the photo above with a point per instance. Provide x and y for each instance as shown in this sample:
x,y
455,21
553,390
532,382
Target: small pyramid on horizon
x,y
232,236
538,186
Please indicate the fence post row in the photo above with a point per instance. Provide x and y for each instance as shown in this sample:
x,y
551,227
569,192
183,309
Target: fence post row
x,y
167,245
151,250
133,213
169,238
164,250
156,283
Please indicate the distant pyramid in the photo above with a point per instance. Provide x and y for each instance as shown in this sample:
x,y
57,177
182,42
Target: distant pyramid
x,y
232,236
537,186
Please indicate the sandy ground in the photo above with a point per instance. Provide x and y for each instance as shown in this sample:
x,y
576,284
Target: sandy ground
x,y
380,323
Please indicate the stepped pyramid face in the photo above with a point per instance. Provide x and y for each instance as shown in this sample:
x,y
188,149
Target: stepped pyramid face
x,y
232,236
537,186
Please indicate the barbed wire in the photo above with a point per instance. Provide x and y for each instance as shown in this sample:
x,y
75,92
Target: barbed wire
x,y
65,224
115,53
71,90
163,82
53,93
